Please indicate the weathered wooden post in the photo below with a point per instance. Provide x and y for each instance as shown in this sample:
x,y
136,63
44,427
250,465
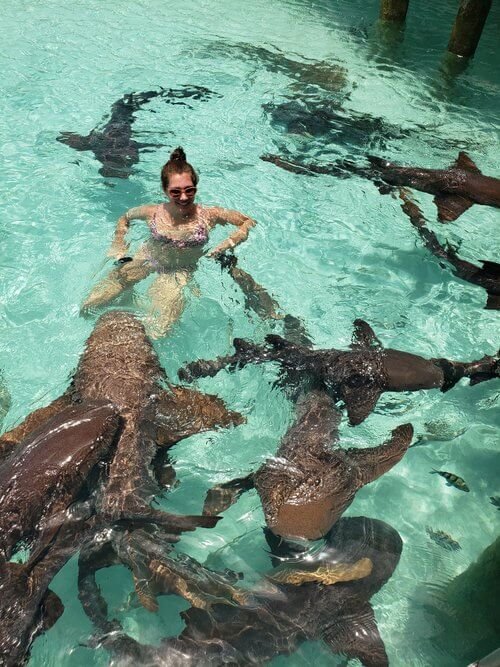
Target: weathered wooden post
x,y
394,10
468,27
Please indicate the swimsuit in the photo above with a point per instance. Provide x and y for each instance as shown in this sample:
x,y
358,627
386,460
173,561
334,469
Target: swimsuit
x,y
197,238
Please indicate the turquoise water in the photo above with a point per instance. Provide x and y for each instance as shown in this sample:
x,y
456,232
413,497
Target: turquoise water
x,y
329,251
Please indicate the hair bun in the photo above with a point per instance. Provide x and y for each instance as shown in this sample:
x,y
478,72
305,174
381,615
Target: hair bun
x,y
178,155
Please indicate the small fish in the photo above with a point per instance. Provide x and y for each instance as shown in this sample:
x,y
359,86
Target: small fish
x,y
452,479
495,501
443,539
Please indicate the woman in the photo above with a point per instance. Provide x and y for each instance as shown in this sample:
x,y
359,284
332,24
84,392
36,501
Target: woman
x,y
179,233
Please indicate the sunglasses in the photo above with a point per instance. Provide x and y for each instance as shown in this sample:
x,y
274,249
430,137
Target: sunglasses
x,y
175,193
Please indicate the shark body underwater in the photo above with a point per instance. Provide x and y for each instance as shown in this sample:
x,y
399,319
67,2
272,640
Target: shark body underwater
x,y
112,143
359,376
324,596
308,485
118,413
455,188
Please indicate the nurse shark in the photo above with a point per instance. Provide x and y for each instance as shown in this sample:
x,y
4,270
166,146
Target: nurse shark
x,y
323,596
120,406
308,484
112,143
455,188
357,377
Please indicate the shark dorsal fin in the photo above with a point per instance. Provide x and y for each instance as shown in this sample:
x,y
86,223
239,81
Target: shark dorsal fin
x,y
451,207
464,161
364,336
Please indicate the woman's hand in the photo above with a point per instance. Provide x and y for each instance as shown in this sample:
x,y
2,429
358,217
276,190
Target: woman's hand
x,y
221,248
118,250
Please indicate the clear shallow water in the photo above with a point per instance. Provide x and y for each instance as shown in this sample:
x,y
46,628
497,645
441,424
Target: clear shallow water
x,y
329,250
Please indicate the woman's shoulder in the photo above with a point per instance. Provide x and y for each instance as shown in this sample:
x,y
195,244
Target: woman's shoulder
x,y
143,212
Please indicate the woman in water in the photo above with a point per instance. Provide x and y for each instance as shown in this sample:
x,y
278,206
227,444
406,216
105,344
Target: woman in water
x,y
179,233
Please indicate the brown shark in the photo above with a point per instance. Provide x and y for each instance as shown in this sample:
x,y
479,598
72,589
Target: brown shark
x,y
258,299
324,596
357,377
47,472
308,485
455,189
486,276
112,143
118,378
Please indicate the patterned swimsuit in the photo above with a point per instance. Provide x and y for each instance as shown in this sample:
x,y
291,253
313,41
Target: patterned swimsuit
x,y
198,238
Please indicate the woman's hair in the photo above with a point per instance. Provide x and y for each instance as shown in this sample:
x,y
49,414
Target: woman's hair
x,y
177,164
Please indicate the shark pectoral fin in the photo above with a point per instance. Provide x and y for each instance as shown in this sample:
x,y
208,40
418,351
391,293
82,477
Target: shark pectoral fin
x,y
296,332
450,207
183,412
73,140
357,636
359,401
375,461
222,496
364,336
464,161
51,609
10,439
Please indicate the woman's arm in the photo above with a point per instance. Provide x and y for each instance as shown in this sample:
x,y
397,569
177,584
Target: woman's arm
x,y
225,216
119,247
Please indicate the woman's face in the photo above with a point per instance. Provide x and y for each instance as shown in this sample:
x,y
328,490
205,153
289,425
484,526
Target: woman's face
x,y
181,191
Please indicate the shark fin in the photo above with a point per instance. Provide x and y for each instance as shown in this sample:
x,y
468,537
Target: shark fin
x,y
364,336
144,590
51,609
491,267
464,161
10,439
357,636
450,207
359,401
73,140
222,496
295,331
375,461
182,412
493,302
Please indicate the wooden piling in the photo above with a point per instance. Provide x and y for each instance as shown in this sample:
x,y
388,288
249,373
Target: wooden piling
x,y
393,10
468,27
